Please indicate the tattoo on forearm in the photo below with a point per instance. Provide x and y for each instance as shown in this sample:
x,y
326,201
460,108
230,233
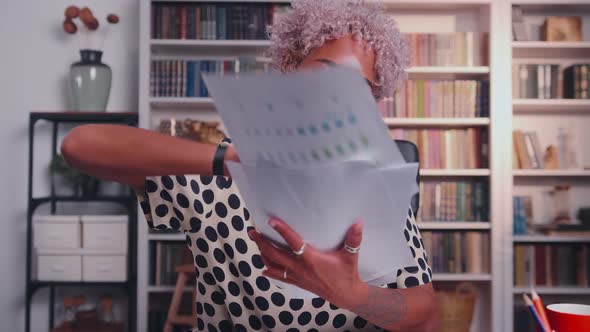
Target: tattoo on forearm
x,y
383,307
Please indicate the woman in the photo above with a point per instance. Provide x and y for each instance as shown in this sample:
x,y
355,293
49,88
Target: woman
x,y
233,262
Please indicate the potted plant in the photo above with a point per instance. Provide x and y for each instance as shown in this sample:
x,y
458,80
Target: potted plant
x,y
82,185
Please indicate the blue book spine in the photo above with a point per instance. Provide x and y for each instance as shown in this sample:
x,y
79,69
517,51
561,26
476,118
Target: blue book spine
x,y
197,79
190,22
190,80
202,83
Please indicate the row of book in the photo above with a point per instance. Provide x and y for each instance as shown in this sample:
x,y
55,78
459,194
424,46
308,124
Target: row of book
x,y
448,49
546,81
458,252
239,21
180,78
526,152
454,201
551,265
165,257
420,99
448,148
522,214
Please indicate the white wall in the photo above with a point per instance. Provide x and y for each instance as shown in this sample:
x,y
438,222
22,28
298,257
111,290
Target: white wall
x,y
34,61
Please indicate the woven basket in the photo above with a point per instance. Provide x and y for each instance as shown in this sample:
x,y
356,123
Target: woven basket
x,y
456,307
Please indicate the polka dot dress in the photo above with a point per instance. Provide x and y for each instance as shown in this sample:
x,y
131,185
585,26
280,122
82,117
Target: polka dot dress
x,y
232,294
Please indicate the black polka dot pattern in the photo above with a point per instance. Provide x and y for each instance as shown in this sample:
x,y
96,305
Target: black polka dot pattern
x,y
232,293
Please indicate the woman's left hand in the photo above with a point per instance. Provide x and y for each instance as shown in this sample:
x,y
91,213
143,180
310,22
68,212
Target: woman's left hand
x,y
332,275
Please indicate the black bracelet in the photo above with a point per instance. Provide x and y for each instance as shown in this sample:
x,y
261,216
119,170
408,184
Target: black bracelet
x,y
220,156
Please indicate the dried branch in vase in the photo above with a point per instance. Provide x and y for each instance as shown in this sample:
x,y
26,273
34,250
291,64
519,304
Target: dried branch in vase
x,y
84,17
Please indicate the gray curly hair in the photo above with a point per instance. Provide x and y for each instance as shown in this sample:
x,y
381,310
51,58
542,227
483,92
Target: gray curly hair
x,y
310,23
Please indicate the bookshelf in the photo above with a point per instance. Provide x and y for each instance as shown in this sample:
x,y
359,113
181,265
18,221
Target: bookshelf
x,y
413,16
545,116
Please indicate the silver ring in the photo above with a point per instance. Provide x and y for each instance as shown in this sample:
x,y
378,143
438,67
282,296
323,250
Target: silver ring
x,y
351,250
300,251
285,274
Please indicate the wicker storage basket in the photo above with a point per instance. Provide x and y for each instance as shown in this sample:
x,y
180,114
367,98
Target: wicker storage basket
x,y
456,307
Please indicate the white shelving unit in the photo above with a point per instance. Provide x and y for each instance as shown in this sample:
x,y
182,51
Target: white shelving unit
x,y
543,116
415,16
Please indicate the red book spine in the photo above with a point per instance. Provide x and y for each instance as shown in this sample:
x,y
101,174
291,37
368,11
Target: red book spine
x,y
540,265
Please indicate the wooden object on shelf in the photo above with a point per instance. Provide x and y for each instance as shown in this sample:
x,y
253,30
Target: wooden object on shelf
x,y
203,131
550,159
562,28
457,307
185,273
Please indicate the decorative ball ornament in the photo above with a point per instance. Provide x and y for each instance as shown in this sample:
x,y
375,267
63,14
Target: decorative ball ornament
x,y
113,19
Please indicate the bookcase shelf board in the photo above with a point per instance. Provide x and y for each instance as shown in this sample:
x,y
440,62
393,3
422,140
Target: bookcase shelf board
x,y
555,105
455,172
549,239
171,47
223,1
437,122
461,277
550,173
163,103
541,49
454,225
553,290
432,4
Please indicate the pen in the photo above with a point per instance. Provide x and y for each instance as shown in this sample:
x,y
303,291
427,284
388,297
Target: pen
x,y
529,303
540,309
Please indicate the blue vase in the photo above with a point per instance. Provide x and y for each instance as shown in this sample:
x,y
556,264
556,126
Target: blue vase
x,y
90,82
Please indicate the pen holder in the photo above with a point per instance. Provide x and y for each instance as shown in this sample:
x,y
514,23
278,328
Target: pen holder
x,y
456,307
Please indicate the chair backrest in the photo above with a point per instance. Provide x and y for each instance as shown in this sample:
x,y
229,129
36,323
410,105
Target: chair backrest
x,y
410,153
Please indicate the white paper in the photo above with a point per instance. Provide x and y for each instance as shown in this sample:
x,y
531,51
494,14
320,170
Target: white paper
x,y
315,153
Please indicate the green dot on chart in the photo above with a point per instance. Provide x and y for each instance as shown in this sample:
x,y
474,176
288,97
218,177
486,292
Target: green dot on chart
x,y
328,153
301,131
365,141
315,155
352,146
326,126
339,149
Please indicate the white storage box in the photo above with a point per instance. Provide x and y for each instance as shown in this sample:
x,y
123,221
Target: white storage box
x,y
104,268
105,232
59,266
56,232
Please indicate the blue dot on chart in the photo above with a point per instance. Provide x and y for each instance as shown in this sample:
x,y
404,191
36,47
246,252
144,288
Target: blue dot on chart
x,y
339,149
326,126
352,118
270,108
315,155
257,132
313,130
301,131
279,132
339,123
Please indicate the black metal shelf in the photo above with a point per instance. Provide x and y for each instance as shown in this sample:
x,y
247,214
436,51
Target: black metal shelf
x,y
127,201
85,117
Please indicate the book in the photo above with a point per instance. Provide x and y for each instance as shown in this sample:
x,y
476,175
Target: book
x,y
464,198
457,252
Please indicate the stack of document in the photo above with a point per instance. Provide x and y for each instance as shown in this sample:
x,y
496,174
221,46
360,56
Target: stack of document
x,y
315,153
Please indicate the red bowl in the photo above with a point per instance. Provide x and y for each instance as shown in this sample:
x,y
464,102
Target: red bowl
x,y
567,317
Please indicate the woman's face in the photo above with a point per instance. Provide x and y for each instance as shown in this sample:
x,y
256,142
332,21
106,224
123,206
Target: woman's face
x,y
344,52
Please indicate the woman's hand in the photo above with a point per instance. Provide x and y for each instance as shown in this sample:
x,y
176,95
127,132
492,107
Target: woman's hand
x,y
332,275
